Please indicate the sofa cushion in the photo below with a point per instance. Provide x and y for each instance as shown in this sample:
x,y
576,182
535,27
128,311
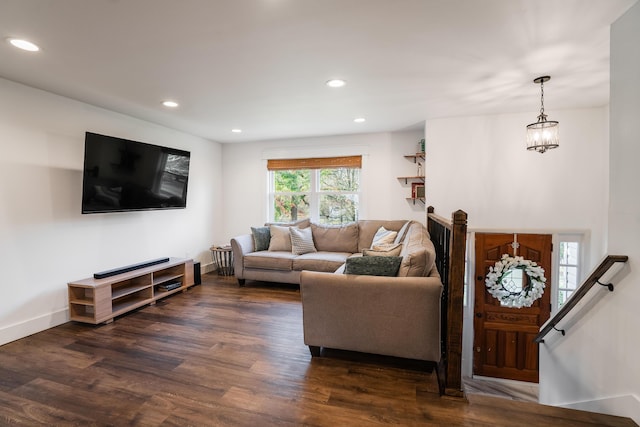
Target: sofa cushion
x,y
413,264
280,238
301,240
320,261
373,265
383,250
269,260
367,228
261,238
301,223
418,252
335,238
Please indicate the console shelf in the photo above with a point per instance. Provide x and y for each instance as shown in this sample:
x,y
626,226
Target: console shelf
x,y
100,300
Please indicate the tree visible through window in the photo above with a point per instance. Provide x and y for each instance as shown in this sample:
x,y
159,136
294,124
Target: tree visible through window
x,y
338,195
328,195
291,196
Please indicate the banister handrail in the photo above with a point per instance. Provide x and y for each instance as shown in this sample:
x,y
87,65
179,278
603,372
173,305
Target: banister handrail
x,y
450,241
593,279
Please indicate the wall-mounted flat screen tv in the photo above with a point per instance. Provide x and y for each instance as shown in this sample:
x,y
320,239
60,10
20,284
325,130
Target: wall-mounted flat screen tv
x,y
122,175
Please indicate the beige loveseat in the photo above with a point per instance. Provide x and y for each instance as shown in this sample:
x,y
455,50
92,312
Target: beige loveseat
x,y
395,316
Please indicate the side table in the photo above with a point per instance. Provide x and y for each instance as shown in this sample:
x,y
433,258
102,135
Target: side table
x,y
223,258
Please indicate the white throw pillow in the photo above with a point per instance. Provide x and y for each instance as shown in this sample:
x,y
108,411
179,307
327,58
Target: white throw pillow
x,y
383,237
301,241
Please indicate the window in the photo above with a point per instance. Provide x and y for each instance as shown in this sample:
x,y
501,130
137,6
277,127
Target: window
x,y
326,190
568,269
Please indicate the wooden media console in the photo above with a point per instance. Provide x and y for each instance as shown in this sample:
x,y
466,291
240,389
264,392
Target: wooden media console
x,y
101,300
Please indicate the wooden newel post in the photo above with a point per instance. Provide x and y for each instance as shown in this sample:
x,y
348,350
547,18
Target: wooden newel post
x,y
458,247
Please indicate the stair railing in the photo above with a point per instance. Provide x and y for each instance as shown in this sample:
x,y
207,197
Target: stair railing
x,y
449,238
593,279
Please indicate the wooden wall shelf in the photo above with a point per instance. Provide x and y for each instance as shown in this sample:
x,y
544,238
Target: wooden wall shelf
x,y
419,199
411,178
100,300
415,157
415,179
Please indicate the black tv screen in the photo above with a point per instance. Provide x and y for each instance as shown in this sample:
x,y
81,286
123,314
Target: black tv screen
x,y
122,175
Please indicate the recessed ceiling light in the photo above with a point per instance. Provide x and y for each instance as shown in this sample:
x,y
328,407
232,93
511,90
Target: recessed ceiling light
x,y
236,130
336,83
24,45
360,120
170,104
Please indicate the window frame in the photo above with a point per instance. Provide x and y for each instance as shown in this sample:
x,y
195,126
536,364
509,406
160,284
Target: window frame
x,y
315,193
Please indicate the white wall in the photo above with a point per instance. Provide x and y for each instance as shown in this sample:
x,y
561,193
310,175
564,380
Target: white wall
x,y
480,165
45,242
595,366
383,195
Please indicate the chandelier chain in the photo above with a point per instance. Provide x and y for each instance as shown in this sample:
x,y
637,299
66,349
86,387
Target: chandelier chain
x,y
542,98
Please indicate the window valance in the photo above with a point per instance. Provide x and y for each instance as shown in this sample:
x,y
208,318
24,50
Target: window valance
x,y
315,163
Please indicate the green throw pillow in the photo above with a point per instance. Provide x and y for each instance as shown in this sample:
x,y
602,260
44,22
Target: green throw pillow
x,y
261,238
373,265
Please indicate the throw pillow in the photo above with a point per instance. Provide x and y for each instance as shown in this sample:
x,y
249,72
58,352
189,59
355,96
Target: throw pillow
x,y
261,238
383,236
402,232
301,241
383,250
373,265
280,238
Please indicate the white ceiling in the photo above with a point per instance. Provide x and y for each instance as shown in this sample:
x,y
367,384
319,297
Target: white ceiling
x,y
261,65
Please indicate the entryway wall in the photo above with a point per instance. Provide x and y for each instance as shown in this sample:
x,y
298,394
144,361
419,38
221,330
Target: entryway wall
x,y
480,164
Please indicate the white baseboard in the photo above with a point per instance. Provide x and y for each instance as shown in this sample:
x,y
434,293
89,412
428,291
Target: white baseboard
x,y
623,406
207,268
31,326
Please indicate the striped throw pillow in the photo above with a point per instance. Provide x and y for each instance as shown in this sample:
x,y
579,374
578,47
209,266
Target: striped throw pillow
x,y
301,241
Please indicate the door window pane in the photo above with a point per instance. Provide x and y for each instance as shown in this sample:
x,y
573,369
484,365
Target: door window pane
x,y
568,270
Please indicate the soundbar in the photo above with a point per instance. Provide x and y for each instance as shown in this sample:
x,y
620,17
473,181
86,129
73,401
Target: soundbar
x,y
109,273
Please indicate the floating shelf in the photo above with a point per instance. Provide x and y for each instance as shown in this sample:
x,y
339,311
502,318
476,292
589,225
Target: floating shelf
x,y
415,157
420,199
411,178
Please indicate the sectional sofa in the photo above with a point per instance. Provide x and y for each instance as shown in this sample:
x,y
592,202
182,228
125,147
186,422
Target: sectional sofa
x,y
353,298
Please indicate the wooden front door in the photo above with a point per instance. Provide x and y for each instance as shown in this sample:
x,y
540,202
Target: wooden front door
x,y
503,336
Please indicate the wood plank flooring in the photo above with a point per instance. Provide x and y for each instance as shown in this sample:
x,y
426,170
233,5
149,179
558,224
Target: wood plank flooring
x,y
220,355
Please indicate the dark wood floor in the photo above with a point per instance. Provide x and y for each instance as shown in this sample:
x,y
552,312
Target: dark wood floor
x,y
220,355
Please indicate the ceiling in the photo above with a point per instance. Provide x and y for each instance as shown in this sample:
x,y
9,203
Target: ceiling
x,y
261,65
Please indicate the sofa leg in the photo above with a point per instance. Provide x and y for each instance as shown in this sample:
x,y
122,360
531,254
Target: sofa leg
x,y
240,282
315,350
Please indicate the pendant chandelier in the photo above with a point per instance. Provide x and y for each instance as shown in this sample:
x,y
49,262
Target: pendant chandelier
x,y
544,134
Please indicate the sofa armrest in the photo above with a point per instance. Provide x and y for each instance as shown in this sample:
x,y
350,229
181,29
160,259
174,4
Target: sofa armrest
x,y
393,316
241,245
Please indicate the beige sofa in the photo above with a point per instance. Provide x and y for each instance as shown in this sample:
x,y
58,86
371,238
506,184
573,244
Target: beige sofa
x,y
394,316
